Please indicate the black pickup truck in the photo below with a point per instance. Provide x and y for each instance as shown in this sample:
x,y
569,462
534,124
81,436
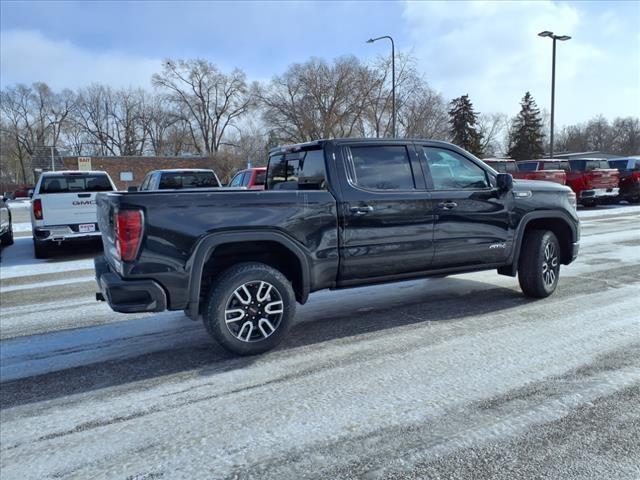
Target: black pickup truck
x,y
334,214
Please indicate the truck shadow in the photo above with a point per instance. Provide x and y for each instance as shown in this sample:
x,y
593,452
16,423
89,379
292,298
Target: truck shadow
x,y
329,316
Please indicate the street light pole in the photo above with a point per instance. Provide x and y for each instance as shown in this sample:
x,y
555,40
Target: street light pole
x,y
549,34
393,81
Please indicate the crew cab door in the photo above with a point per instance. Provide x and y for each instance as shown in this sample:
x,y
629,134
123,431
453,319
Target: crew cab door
x,y
386,217
471,219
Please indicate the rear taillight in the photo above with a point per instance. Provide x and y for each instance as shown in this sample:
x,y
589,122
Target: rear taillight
x,y
128,233
37,209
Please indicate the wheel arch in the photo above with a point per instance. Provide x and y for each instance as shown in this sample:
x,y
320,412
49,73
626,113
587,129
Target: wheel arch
x,y
218,251
564,228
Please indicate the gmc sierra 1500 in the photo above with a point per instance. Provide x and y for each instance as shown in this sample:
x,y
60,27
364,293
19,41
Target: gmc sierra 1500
x,y
334,214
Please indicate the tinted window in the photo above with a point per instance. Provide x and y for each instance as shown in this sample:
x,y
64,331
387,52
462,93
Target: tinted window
x,y
296,171
382,168
581,165
283,172
76,183
555,166
503,167
246,179
260,178
188,180
619,164
527,166
312,174
451,171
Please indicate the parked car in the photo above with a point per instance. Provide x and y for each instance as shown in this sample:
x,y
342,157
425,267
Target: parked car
x,y
503,165
63,208
334,214
6,228
174,179
629,170
251,178
592,180
22,191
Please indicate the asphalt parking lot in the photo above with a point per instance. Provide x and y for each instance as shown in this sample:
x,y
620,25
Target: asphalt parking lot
x,y
460,377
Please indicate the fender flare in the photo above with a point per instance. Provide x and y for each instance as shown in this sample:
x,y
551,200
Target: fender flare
x,y
207,245
512,266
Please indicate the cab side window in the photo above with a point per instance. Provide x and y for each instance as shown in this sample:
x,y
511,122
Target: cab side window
x,y
451,171
381,167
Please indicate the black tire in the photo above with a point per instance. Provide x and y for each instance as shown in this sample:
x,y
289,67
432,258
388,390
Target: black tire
x,y
539,264
225,299
40,249
589,203
7,238
634,200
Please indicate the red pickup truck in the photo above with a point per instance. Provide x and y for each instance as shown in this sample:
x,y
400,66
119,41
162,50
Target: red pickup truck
x,y
591,179
629,169
504,165
251,178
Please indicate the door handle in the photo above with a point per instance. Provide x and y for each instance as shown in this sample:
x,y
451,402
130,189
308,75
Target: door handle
x,y
84,195
447,205
361,210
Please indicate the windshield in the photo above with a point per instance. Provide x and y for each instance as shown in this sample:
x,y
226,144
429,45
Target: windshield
x,y
188,180
76,183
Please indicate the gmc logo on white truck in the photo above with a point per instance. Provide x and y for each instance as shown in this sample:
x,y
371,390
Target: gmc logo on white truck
x,y
83,202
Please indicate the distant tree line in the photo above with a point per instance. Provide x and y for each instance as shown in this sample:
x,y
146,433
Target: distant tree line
x,y
197,109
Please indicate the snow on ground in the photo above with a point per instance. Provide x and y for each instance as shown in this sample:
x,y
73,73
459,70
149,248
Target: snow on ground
x,y
18,261
21,227
609,210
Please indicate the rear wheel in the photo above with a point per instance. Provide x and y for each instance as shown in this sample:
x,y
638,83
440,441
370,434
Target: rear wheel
x,y
588,203
539,264
40,249
250,308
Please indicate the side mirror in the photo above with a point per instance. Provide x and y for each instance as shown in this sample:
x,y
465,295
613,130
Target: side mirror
x,y
504,182
30,193
5,198
132,189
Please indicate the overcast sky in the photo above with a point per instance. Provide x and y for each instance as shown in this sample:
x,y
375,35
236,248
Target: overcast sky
x,y
489,50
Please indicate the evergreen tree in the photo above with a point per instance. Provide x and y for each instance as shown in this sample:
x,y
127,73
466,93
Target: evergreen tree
x,y
462,120
526,136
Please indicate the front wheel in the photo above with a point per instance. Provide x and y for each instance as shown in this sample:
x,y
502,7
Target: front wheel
x,y
250,308
539,265
7,238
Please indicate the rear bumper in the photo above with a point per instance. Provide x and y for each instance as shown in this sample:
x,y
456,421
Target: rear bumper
x,y
599,193
127,296
575,248
63,233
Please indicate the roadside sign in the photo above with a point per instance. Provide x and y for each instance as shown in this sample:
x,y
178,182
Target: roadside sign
x,y
126,176
84,163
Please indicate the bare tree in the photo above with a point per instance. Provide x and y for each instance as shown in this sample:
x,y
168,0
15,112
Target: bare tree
x,y
209,100
492,128
317,100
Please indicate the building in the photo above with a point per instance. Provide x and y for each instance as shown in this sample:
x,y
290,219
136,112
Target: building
x,y
129,171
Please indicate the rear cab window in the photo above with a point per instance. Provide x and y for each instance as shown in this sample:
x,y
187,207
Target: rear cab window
x,y
178,180
503,167
75,183
587,165
304,170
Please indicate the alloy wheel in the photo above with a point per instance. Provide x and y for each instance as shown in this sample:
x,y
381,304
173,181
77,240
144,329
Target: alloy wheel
x,y
254,311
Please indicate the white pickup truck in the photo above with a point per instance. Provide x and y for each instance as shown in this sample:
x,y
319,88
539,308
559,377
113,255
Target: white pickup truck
x,y
63,208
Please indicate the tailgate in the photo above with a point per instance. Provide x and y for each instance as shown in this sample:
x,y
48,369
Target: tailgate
x,y
557,176
602,178
69,208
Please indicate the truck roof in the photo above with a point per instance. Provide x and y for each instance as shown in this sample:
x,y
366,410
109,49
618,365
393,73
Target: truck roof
x,y
181,170
60,173
319,143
